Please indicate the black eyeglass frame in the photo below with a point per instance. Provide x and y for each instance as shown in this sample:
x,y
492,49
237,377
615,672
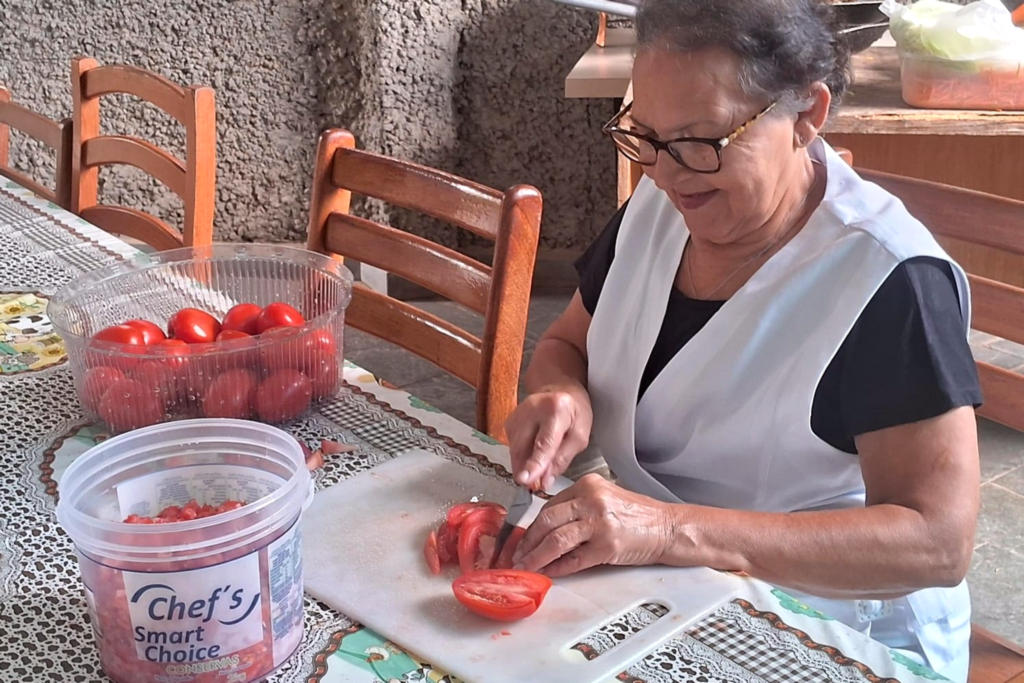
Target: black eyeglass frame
x,y
718,144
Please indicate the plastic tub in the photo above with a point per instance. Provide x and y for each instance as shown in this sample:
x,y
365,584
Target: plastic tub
x,y
273,377
936,83
212,599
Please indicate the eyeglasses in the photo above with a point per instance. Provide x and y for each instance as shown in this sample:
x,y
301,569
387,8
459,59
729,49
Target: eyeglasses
x,y
701,155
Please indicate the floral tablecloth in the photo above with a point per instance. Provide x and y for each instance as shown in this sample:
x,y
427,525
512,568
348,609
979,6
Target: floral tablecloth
x,y
761,635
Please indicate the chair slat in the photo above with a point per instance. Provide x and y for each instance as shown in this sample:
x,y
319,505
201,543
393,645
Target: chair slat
x,y
25,180
438,268
120,149
31,123
448,197
957,212
1003,392
418,331
123,78
136,224
997,308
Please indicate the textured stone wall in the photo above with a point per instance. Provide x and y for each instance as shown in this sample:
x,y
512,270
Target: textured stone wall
x,y
471,86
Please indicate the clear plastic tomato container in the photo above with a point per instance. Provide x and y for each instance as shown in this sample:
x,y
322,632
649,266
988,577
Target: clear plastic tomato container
x,y
209,600
271,377
936,83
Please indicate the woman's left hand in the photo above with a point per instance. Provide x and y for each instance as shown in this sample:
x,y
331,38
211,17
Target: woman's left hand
x,y
595,522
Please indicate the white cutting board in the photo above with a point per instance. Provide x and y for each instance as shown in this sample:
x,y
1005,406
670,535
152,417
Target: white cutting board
x,y
363,555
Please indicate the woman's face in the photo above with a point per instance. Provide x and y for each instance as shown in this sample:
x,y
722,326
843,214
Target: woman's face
x,y
698,94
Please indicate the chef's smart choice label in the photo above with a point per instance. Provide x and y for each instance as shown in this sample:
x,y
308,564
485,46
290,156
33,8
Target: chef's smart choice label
x,y
227,623
196,616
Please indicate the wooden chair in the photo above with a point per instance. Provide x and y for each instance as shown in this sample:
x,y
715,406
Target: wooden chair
x,y
51,133
500,291
192,179
954,215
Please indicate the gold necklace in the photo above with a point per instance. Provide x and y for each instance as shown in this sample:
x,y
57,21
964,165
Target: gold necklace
x,y
730,276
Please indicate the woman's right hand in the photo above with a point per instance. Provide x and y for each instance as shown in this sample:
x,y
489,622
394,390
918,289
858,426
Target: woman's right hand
x,y
546,431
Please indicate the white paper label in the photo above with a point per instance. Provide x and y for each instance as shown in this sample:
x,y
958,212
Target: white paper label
x,y
285,559
197,615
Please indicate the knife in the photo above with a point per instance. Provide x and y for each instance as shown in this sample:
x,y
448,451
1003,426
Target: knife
x,y
518,508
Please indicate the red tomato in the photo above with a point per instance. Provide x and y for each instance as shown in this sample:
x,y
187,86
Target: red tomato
x,y
242,318
283,395
159,378
129,404
430,553
193,326
278,314
121,334
504,560
501,594
96,382
151,333
284,347
227,335
231,394
175,351
479,522
325,374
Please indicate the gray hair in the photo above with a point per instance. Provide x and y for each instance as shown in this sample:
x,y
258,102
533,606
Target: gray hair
x,y
784,46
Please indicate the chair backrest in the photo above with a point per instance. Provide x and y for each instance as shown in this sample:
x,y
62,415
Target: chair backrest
x,y
499,291
192,179
56,135
957,216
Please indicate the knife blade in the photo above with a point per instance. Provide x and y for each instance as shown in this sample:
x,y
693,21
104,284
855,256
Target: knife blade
x,y
520,504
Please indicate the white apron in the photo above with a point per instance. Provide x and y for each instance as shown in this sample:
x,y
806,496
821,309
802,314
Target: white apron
x,y
727,421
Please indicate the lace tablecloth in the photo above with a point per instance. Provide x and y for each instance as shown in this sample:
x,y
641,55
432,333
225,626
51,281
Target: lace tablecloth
x,y
762,635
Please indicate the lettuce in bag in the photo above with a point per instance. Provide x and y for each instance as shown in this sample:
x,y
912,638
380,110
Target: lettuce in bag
x,y
981,30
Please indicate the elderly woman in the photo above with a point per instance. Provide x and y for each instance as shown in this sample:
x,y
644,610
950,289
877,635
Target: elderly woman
x,y
769,352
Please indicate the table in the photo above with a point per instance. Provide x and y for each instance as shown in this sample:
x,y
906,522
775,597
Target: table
x,y
980,150
763,634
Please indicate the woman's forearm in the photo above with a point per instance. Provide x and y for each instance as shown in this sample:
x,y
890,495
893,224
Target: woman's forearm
x,y
556,364
879,551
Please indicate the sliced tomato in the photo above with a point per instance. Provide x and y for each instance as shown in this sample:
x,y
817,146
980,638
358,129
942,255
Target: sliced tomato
x,y
430,553
501,594
447,543
479,522
504,560
456,513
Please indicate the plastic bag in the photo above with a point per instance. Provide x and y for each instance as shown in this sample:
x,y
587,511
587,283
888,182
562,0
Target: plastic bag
x,y
982,30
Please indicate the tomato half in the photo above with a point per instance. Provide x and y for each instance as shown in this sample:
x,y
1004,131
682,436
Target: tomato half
x,y
501,594
278,314
193,326
242,318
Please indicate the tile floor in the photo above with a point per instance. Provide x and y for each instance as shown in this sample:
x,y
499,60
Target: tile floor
x,y
997,570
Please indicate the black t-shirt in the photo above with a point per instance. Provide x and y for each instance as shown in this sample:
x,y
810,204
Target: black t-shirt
x,y
905,359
